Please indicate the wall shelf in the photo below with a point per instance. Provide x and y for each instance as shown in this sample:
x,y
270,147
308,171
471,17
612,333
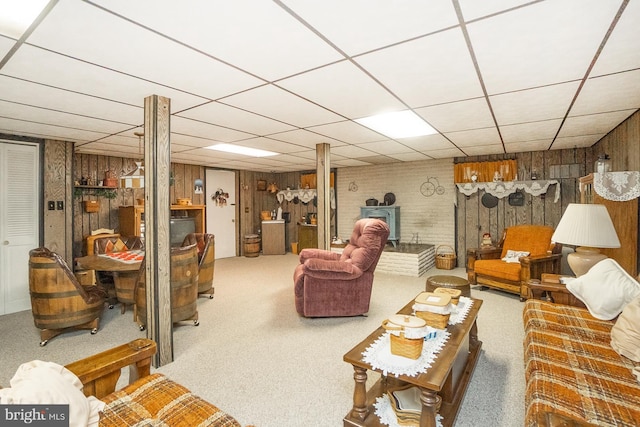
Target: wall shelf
x,y
95,190
501,189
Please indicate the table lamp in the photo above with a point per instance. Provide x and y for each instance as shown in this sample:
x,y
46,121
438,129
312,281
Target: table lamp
x,y
587,226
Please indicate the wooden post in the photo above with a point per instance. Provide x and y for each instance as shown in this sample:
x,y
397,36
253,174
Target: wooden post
x,y
323,175
157,210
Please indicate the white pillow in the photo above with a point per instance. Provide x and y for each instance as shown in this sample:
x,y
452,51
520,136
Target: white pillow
x,y
605,289
514,256
43,383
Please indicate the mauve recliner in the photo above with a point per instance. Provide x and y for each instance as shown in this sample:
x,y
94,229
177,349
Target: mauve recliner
x,y
328,284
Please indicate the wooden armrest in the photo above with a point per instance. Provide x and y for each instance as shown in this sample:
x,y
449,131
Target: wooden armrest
x,y
100,373
485,253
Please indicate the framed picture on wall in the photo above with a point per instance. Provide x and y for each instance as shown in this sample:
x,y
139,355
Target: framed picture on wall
x,y
262,185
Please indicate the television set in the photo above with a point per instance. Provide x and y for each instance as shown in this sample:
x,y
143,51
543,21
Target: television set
x,y
179,228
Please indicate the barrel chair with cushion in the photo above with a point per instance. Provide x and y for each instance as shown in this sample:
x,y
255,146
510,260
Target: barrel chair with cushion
x,y
184,288
525,252
328,284
59,303
119,285
206,260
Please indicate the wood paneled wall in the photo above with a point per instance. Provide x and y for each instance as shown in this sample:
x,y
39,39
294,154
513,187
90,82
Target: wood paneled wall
x,y
94,167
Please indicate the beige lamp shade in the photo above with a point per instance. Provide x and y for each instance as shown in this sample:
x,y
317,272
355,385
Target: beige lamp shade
x,y
589,227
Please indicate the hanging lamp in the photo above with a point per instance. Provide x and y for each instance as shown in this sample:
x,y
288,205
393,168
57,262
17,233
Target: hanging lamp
x,y
135,179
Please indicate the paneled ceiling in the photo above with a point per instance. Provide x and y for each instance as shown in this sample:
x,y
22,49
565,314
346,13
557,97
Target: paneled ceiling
x,y
501,76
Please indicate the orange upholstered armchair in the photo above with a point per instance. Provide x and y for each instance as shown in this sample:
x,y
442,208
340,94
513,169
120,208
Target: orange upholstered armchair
x,y
524,253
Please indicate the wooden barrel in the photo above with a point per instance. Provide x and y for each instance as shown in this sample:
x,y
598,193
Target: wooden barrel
x,y
251,245
56,303
184,287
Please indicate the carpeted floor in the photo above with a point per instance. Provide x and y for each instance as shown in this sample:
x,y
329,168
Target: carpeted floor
x,y
254,357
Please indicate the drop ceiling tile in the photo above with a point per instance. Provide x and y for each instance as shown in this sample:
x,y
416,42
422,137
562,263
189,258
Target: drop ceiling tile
x,y
431,70
530,131
231,117
409,157
295,159
473,9
191,141
5,45
352,151
576,141
533,145
519,49
271,101
455,116
20,91
476,137
621,52
344,89
57,118
593,124
41,66
532,105
349,163
269,144
387,147
427,143
444,154
205,130
123,46
367,25
257,36
378,160
481,150
305,138
609,93
19,127
348,131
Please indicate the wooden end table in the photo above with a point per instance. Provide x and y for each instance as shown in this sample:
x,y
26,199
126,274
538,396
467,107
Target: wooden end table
x,y
444,383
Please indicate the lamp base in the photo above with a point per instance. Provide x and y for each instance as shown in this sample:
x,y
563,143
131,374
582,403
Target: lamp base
x,y
583,259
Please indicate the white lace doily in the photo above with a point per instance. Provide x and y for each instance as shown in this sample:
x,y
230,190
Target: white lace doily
x,y
502,189
617,186
304,195
379,356
384,411
459,312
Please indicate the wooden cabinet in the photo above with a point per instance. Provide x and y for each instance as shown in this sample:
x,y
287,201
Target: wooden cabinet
x,y
307,236
273,237
132,218
624,216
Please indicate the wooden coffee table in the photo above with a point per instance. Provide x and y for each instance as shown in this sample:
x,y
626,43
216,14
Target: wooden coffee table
x,y
444,383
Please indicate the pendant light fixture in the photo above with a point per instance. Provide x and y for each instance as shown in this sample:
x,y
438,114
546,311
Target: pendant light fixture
x,y
135,179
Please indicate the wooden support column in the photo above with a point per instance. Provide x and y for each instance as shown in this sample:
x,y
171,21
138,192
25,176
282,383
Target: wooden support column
x,y
323,175
157,160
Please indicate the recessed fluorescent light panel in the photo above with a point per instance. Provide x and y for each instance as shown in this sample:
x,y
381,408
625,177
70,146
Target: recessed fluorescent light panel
x,y
18,15
238,149
398,124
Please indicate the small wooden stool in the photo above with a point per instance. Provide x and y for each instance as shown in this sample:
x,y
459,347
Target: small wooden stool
x,y
453,282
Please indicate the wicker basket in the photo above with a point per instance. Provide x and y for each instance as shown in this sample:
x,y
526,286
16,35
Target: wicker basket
x,y
445,260
433,308
91,206
453,293
410,348
435,320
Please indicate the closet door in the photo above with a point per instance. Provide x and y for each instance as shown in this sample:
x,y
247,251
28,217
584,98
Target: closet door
x,y
19,225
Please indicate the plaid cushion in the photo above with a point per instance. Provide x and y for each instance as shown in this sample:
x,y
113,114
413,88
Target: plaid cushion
x,y
572,370
157,401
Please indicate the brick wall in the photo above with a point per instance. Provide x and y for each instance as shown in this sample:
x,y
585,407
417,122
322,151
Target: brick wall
x,y
428,219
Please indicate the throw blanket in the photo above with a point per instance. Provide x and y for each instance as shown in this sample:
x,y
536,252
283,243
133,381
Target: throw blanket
x,y
571,368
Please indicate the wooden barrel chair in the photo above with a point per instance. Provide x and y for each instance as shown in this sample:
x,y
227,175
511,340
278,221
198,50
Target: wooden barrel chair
x,y
59,302
205,243
184,288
